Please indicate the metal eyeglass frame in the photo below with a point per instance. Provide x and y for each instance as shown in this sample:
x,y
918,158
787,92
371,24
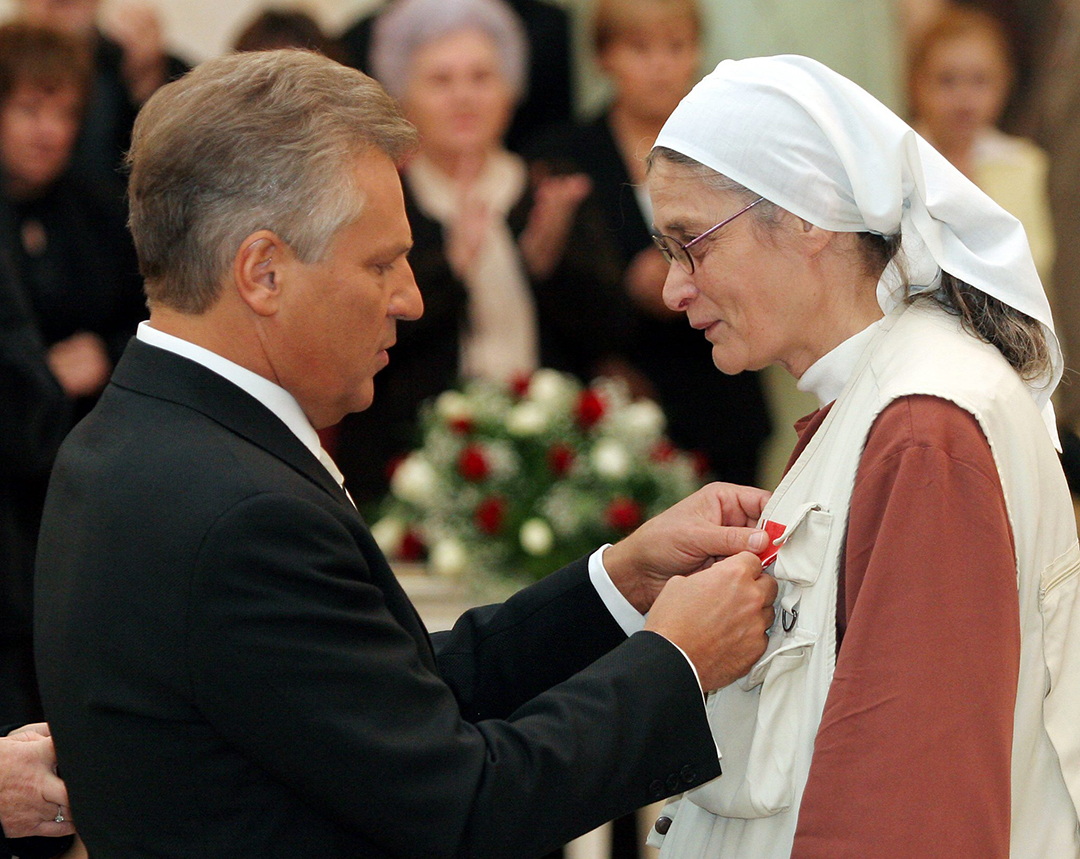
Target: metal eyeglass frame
x,y
675,251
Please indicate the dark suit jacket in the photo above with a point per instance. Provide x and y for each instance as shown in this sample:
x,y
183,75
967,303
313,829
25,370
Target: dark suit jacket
x,y
231,669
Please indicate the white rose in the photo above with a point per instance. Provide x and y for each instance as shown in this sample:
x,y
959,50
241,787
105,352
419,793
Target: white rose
x,y
453,406
610,459
643,419
550,388
388,533
448,558
526,419
536,537
414,480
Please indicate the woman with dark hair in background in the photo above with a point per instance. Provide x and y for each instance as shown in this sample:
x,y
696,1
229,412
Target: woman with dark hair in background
x,y
650,50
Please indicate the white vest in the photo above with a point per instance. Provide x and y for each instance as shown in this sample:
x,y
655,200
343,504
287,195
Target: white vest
x,y
765,724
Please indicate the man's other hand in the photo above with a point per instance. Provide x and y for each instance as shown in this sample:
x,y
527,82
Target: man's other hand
x,y
715,522
718,617
32,796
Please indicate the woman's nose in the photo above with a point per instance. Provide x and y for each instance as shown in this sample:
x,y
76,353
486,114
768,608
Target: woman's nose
x,y
678,288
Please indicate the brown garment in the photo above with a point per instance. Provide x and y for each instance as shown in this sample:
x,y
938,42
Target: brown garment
x,y
913,754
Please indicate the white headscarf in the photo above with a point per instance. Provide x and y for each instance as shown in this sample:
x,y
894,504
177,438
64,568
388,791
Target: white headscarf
x,y
816,144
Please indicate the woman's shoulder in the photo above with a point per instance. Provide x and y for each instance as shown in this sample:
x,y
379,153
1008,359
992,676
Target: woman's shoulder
x,y
930,426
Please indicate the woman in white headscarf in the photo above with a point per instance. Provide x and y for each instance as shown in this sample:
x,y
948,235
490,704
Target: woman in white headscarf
x,y
920,690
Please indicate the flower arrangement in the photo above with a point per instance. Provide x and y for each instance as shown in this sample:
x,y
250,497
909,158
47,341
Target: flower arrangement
x,y
520,479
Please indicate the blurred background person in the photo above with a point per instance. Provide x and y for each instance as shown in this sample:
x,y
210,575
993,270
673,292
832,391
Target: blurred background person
x,y
547,96
66,235
34,418
72,299
961,72
129,63
650,50
287,28
513,277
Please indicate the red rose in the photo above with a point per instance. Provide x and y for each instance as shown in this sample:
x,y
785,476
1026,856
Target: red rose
x,y
624,515
590,408
392,466
412,547
473,464
462,426
490,514
559,459
663,451
519,384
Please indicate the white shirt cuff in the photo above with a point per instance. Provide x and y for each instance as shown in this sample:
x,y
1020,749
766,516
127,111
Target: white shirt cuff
x,y
629,619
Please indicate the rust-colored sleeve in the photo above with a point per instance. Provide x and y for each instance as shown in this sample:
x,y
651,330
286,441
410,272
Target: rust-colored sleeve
x,y
912,757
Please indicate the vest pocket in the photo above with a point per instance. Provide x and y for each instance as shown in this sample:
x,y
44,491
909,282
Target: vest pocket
x,y
759,764
1059,604
802,553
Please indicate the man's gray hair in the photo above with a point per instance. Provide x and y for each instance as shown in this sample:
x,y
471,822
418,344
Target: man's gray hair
x,y
409,25
252,141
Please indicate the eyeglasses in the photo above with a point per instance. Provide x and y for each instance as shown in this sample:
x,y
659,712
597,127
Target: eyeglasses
x,y
675,251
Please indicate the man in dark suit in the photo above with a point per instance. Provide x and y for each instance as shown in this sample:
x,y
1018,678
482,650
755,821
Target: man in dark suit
x,y
228,664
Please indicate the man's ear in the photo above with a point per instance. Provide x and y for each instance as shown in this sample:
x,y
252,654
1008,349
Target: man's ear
x,y
258,268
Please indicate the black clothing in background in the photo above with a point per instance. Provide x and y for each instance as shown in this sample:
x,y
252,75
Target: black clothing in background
x,y
548,99
69,266
725,418
34,417
110,116
76,262
581,316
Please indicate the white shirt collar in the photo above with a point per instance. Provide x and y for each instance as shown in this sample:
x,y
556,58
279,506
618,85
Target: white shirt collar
x,y
273,396
826,377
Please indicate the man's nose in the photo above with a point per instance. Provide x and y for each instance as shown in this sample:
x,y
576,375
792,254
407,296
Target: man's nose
x,y
409,303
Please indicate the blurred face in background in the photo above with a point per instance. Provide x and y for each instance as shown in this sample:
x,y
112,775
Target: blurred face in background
x,y
38,128
961,86
458,96
652,64
74,17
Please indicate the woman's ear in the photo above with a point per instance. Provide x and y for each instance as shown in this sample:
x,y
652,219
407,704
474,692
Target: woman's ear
x,y
813,239
258,268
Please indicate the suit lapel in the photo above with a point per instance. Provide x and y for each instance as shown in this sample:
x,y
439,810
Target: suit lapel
x,y
167,376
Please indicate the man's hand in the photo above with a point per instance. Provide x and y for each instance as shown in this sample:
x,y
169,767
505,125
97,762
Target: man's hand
x,y
716,521
31,794
718,617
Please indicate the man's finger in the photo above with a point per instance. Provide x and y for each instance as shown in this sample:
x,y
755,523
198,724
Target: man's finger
x,y
52,829
53,790
723,541
31,732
